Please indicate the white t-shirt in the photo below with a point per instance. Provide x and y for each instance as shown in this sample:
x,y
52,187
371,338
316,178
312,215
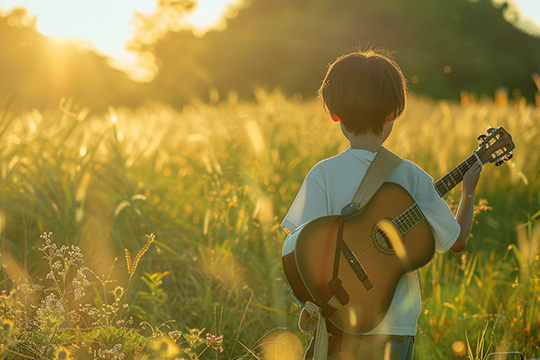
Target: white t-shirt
x,y
332,184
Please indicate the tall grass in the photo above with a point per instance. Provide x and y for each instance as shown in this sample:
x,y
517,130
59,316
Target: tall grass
x,y
213,181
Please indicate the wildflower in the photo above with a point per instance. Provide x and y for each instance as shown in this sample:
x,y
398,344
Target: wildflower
x,y
113,353
7,332
175,334
7,326
51,312
79,283
165,346
62,353
214,342
194,337
118,292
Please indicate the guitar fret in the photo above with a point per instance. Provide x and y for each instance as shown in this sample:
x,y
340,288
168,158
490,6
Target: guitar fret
x,y
408,219
439,187
417,216
454,176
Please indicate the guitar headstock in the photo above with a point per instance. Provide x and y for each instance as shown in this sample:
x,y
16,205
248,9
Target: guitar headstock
x,y
495,146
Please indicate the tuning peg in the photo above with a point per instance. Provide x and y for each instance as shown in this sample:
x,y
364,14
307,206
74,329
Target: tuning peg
x,y
499,163
481,137
508,156
491,130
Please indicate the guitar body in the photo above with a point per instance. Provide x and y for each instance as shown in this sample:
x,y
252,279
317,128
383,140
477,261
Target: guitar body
x,y
308,259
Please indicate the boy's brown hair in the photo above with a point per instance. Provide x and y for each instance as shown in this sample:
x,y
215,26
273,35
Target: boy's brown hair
x,y
363,89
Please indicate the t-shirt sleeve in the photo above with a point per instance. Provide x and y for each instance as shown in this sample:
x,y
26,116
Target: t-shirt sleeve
x,y
443,224
310,203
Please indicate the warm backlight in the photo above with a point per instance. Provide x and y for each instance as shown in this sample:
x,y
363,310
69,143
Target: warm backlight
x,y
108,25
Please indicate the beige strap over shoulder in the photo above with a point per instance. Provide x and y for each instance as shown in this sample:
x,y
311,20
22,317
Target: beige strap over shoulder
x,y
381,167
311,319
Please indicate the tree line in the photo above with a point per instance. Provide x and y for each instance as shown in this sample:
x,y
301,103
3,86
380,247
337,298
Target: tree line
x,y
444,47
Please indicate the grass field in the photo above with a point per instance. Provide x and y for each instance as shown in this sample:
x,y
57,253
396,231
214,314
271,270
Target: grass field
x,y
195,197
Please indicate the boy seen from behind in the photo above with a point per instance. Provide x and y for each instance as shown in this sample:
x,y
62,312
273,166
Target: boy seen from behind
x,y
365,93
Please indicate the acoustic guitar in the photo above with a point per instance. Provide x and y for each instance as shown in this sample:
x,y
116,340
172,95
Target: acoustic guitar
x,y
382,242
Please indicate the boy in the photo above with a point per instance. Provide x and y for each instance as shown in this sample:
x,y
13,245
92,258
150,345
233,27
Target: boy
x,y
365,93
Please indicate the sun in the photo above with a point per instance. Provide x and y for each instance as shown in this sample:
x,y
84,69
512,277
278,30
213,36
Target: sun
x,y
107,24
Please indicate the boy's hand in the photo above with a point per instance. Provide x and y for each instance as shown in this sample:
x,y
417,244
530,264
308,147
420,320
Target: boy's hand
x,y
470,179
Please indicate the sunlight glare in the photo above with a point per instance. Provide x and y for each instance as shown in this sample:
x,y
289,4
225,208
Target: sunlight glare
x,y
210,14
284,346
107,24
525,14
104,23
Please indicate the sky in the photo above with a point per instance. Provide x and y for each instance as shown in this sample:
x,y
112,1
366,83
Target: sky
x,y
106,23
530,8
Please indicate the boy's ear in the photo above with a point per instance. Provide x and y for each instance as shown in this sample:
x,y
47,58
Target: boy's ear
x,y
391,117
335,117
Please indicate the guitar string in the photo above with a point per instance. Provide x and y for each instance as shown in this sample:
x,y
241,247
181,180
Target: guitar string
x,y
401,219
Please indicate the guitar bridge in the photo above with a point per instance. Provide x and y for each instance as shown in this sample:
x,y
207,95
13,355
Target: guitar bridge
x,y
356,266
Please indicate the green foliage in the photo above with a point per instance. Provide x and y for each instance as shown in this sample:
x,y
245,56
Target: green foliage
x,y
152,302
499,290
212,183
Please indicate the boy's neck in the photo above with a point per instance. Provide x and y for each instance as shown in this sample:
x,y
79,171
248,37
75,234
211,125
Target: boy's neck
x,y
368,142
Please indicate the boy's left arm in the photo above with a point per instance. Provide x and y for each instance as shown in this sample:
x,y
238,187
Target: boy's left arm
x,y
464,215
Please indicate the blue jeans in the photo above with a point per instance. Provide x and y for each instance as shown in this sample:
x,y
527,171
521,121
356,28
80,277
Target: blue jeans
x,y
372,347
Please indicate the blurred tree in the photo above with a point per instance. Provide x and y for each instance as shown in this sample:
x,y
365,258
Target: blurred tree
x,y
443,46
180,76
168,16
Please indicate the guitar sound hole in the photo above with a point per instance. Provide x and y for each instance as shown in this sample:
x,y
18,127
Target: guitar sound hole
x,y
382,242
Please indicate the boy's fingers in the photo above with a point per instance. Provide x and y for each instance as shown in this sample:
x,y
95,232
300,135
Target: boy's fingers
x,y
477,166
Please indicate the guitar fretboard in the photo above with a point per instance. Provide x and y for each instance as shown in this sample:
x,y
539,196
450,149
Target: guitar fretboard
x,y
408,219
454,176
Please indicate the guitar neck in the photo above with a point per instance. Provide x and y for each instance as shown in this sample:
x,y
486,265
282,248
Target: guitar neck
x,y
413,215
455,176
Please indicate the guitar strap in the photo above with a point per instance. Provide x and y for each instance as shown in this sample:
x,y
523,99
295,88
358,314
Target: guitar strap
x,y
381,167
378,171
